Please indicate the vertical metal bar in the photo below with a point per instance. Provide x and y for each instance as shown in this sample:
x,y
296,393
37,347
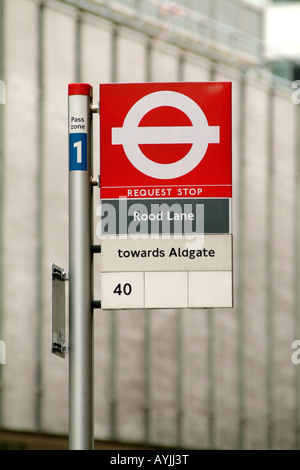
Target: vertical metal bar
x,y
114,54
179,376
147,361
81,433
211,379
2,77
148,61
179,313
269,266
240,260
113,369
78,29
297,268
180,71
113,314
147,327
39,217
210,346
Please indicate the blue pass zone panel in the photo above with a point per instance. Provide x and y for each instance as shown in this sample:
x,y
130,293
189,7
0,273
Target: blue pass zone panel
x,y
78,151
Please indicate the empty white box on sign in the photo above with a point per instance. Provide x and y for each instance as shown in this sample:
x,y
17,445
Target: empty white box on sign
x,y
210,289
122,290
166,290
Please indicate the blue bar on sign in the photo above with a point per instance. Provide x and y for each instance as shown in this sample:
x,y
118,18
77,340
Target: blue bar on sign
x,y
78,151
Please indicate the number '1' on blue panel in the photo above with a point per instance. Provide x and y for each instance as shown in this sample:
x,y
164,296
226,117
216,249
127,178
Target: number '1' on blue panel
x,y
78,151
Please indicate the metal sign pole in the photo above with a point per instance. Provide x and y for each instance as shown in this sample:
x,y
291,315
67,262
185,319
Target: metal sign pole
x,y
81,433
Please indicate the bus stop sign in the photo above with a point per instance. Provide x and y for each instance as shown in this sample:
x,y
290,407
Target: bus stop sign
x,y
166,176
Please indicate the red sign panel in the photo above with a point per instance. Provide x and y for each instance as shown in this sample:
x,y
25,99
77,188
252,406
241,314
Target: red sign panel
x,y
165,140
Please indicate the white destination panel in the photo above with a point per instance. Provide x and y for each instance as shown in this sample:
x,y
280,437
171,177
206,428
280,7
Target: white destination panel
x,y
199,253
138,290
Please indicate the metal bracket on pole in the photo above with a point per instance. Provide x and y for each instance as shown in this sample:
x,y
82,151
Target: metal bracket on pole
x,y
94,108
94,181
58,343
96,304
59,273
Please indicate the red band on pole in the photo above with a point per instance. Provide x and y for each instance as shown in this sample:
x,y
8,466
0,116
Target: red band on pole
x,y
80,89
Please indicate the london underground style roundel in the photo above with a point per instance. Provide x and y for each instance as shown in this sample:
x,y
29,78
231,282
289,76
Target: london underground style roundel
x,y
165,140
